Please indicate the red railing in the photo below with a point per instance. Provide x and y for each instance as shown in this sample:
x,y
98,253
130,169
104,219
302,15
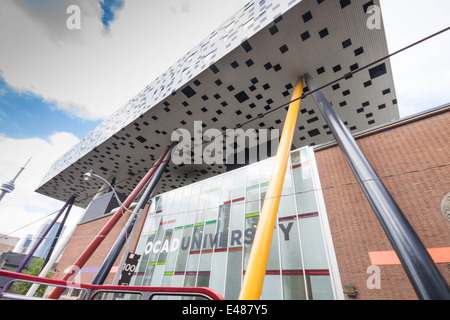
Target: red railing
x,y
92,292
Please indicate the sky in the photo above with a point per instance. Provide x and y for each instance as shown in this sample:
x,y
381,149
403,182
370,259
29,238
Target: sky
x,y
61,77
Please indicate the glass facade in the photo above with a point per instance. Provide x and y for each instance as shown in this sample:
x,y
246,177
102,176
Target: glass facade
x,y
201,235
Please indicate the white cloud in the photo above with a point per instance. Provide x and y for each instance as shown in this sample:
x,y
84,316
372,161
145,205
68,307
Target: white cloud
x,y
422,73
23,205
91,72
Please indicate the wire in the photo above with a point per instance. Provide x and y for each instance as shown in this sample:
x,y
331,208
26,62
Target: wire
x,y
354,183
29,224
304,95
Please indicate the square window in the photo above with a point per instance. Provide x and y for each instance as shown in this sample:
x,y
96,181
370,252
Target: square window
x,y
141,139
214,69
305,35
346,43
188,91
266,86
367,5
218,82
234,64
230,88
335,86
205,97
268,65
314,132
277,67
273,30
249,62
312,120
197,83
346,93
254,81
241,96
252,88
337,68
323,33
278,19
367,83
246,45
320,70
343,103
204,109
354,67
344,3
307,16
284,48
359,51
377,71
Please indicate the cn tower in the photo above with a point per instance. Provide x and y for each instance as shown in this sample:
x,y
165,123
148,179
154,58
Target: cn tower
x,y
8,187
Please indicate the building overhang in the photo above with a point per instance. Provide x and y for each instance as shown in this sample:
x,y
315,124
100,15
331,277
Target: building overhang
x,y
233,79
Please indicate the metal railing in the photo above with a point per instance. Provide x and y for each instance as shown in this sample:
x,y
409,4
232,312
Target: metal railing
x,y
108,292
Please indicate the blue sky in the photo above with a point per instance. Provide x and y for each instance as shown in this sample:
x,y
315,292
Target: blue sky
x,y
109,8
57,84
26,115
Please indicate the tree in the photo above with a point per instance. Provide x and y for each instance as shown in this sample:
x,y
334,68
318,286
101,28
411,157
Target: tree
x,y
34,268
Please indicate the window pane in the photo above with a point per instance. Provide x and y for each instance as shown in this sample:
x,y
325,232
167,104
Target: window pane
x,y
314,254
294,287
291,258
321,288
271,287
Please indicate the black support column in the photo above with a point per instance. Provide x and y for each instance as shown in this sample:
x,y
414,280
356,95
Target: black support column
x,y
107,264
420,268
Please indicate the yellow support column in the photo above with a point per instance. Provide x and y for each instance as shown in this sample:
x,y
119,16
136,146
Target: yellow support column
x,y
259,255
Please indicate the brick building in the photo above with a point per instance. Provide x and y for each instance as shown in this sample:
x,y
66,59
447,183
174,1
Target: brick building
x,y
201,223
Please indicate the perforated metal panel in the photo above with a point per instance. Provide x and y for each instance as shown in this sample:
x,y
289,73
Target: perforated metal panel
x,y
245,69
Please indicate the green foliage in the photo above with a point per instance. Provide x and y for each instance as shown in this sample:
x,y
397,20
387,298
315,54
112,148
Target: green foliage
x,y
34,268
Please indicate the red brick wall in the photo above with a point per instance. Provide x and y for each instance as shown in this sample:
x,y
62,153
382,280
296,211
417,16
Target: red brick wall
x,y
83,236
413,163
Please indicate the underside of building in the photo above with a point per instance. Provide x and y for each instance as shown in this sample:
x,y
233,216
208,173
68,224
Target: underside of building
x,y
297,179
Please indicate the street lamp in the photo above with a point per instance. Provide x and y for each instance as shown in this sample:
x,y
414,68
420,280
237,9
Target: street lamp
x,y
88,175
